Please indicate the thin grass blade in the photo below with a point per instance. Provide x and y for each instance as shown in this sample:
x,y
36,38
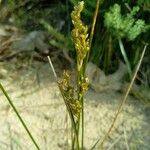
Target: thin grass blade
x,y
19,117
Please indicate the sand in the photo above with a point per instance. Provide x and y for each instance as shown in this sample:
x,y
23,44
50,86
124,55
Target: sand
x,y
34,92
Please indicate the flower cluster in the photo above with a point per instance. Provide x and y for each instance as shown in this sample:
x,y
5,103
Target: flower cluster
x,y
84,85
68,93
79,35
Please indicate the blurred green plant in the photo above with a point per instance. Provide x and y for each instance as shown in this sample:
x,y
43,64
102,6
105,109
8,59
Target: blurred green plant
x,y
59,40
144,3
124,27
26,14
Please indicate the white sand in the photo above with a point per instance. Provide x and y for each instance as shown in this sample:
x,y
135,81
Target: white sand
x,y
43,110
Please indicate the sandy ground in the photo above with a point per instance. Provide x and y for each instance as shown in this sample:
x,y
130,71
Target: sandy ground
x,y
35,94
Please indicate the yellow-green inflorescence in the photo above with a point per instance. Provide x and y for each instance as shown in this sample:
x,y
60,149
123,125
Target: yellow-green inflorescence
x,y
79,35
69,96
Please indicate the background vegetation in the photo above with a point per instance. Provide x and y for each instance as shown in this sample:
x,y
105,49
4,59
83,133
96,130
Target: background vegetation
x,y
122,29
127,20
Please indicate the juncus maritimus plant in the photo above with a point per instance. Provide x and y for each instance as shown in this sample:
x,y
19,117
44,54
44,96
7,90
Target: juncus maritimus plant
x,y
74,95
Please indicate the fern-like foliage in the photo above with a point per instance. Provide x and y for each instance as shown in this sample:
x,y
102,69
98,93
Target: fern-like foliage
x,y
124,26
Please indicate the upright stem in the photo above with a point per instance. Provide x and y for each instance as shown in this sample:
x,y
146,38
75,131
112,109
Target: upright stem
x,y
80,77
82,71
72,137
82,142
94,21
92,29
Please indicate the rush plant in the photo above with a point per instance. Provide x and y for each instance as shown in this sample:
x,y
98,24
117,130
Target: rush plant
x,y
74,95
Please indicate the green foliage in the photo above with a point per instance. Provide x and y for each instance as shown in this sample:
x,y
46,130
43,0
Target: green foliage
x,y
27,14
120,19
124,26
11,4
144,3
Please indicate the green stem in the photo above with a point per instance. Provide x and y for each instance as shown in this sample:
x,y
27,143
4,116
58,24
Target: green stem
x,y
19,117
72,119
72,137
82,138
125,58
80,77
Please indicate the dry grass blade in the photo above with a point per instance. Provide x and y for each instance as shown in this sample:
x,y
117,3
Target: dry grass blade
x,y
92,29
121,104
116,141
94,21
54,72
126,140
